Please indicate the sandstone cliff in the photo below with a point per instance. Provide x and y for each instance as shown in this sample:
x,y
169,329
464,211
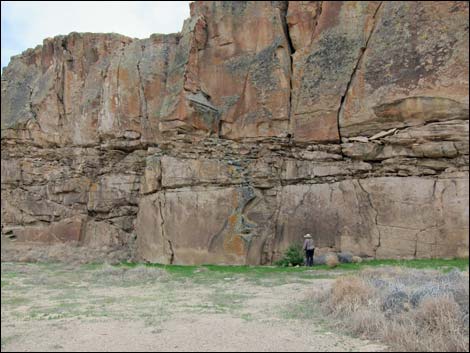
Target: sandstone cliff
x,y
224,143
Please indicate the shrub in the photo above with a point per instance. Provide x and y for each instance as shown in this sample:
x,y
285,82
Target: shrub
x,y
395,302
411,310
293,256
349,293
441,319
366,322
436,313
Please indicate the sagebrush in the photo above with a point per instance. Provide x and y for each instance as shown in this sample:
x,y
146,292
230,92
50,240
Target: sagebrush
x,y
410,310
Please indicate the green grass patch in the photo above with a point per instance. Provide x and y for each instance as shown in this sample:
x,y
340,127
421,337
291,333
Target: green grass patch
x,y
92,266
262,271
437,264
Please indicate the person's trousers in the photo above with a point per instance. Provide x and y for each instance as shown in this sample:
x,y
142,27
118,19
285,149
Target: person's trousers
x,y
309,256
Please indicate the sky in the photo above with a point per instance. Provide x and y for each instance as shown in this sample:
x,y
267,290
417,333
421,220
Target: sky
x,y
26,23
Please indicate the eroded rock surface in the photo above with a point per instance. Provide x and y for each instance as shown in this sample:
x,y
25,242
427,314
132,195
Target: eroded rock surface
x,y
226,142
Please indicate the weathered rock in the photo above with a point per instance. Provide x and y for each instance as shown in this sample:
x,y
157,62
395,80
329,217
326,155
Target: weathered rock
x,y
383,134
238,229
113,191
302,18
178,172
413,71
103,234
302,170
417,215
67,230
59,87
434,140
225,143
152,178
247,49
324,66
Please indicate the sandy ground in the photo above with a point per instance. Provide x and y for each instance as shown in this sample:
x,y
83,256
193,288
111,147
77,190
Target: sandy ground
x,y
49,308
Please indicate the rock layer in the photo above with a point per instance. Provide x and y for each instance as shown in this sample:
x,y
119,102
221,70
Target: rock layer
x,y
225,143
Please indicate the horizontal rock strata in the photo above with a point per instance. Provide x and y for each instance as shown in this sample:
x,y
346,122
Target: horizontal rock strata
x,y
226,142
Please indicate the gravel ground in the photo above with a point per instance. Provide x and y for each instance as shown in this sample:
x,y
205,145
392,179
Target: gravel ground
x,y
79,308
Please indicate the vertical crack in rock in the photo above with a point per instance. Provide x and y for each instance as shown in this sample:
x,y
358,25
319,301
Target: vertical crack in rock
x,y
291,50
104,76
60,84
441,197
143,100
376,214
161,205
172,253
166,63
67,51
67,63
31,108
358,64
166,73
118,92
434,189
60,95
416,243
277,228
285,27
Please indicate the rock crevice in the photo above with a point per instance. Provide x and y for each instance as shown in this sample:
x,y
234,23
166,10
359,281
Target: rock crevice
x,y
358,64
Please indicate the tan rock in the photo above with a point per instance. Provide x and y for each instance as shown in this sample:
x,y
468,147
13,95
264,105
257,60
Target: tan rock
x,y
248,51
152,178
382,134
302,17
323,68
414,69
68,230
113,190
184,172
236,233
102,234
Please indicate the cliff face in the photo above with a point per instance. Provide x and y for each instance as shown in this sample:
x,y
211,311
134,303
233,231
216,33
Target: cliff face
x,y
224,143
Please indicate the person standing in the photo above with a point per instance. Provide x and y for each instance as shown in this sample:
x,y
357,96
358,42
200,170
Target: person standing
x,y
309,248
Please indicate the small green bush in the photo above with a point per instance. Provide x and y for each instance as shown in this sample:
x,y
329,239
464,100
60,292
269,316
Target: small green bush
x,y
293,256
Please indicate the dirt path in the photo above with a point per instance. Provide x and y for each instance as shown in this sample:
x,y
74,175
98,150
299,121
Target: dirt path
x,y
51,309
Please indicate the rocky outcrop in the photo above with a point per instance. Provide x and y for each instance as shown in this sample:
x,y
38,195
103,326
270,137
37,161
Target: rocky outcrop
x,y
225,143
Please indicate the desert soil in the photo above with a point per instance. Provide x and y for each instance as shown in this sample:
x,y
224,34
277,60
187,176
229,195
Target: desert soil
x,y
55,307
